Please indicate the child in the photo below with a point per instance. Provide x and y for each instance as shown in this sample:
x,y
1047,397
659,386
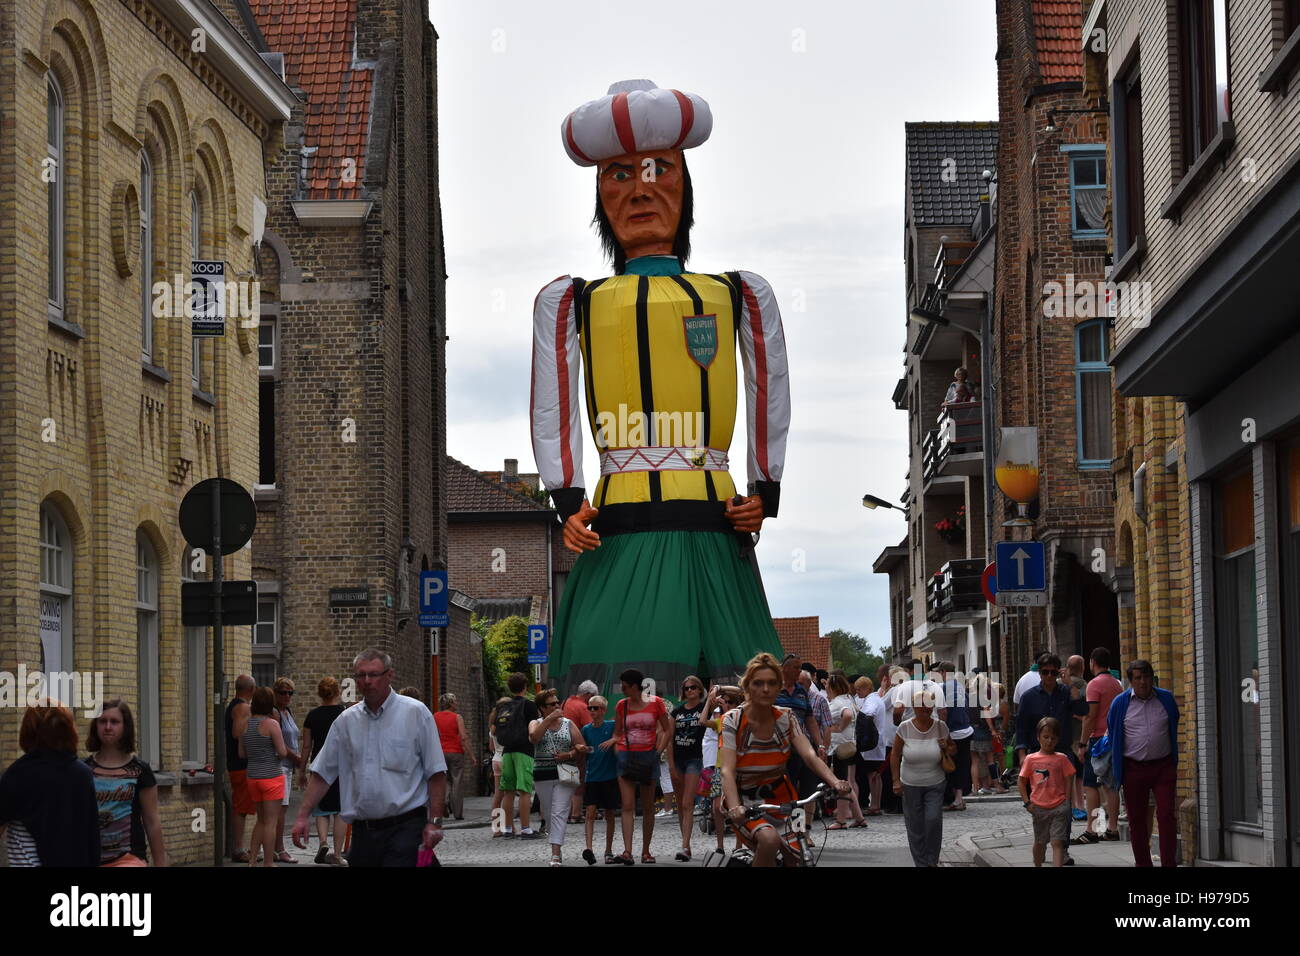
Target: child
x,y
1044,785
720,701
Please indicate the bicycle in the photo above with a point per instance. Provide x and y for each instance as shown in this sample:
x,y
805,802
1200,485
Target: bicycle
x,y
792,829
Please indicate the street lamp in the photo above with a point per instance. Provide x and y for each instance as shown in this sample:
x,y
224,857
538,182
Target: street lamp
x,y
872,502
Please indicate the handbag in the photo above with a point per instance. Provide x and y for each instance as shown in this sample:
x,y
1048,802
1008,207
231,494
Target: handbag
x,y
946,761
568,772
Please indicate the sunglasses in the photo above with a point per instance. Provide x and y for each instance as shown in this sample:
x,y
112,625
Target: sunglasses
x,y
1048,673
287,693
687,687
594,709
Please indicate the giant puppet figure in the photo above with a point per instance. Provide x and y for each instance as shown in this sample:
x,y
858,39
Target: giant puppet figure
x,y
666,581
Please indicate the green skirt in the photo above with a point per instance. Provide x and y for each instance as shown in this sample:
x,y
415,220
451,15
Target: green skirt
x,y
669,603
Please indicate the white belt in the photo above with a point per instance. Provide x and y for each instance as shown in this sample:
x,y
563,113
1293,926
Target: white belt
x,y
616,461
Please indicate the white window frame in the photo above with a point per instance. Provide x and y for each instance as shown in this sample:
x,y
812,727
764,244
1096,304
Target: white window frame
x,y
56,279
149,737
146,259
274,601
57,580
267,321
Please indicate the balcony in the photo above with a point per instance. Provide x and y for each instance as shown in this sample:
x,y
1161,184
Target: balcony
x,y
954,591
955,446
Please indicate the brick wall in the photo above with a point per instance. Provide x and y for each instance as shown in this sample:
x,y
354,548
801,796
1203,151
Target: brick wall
x,y
1034,354
361,327
127,444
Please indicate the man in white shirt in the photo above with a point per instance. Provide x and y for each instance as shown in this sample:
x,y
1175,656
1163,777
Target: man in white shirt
x,y
392,775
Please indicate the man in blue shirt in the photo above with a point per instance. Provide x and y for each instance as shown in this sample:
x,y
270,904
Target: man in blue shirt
x,y
1049,699
794,696
1143,728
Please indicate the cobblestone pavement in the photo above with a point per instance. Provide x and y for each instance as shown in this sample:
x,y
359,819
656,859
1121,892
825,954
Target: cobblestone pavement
x,y
883,843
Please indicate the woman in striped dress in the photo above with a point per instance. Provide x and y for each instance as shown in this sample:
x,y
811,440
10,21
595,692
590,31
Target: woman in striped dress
x,y
757,738
261,743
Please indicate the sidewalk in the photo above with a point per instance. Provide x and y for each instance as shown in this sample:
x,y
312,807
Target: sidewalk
x,y
1014,846
478,813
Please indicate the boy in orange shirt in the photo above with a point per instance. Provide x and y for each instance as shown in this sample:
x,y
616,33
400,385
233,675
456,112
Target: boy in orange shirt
x,y
1045,781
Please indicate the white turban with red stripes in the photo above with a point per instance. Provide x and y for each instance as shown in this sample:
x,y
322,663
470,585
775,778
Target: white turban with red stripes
x,y
635,117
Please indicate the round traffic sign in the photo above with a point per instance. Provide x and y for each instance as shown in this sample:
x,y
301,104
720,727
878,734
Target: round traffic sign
x,y
989,583
238,515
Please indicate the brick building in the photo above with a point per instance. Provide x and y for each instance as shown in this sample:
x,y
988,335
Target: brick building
x,y
936,609
504,548
1205,165
351,503
803,636
129,148
1050,334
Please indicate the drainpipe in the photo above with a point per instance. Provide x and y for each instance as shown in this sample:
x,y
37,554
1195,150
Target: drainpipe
x,y
986,416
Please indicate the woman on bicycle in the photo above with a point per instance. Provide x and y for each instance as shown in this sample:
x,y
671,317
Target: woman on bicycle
x,y
757,738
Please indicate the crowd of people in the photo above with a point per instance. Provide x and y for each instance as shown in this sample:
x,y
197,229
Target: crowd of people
x,y
381,773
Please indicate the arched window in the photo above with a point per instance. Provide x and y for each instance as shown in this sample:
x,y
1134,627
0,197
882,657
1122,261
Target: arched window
x,y
56,591
146,259
196,668
148,739
54,124
1092,394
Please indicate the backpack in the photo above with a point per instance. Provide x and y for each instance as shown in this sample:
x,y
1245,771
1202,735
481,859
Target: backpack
x,y
867,733
509,726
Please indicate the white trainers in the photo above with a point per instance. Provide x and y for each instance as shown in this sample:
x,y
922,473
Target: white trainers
x,y
664,814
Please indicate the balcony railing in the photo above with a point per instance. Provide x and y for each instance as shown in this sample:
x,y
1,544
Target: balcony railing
x,y
954,588
958,431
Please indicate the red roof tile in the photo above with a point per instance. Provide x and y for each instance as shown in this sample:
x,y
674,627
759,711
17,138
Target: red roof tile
x,y
316,38
1058,29
469,490
802,636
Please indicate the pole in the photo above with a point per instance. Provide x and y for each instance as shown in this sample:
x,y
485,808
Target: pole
x,y
218,691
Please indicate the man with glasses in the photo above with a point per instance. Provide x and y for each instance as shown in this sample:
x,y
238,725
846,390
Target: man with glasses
x,y
391,771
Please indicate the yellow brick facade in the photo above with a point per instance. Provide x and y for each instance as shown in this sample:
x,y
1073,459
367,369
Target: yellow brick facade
x,y
1156,546
88,428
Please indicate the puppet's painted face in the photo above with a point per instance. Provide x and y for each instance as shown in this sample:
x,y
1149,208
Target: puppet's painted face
x,y
642,196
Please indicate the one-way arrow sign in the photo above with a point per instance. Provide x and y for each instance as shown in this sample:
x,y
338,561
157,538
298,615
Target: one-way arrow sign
x,y
1021,566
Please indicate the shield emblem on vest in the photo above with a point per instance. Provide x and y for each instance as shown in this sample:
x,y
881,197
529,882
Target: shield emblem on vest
x,y
701,338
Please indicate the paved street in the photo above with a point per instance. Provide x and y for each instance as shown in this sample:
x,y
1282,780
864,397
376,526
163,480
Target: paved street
x,y
883,843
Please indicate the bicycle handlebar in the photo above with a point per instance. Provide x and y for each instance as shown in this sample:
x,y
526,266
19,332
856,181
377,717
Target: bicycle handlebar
x,y
821,791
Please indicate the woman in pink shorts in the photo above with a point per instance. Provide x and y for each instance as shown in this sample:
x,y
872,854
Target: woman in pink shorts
x,y
262,744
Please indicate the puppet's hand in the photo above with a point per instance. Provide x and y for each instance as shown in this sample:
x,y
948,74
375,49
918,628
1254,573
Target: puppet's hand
x,y
577,536
747,516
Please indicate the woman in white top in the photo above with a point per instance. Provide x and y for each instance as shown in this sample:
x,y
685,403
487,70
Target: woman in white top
x,y
844,748
920,778
558,744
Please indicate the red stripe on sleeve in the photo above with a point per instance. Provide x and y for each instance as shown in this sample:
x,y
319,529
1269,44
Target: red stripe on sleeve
x,y
688,116
562,374
623,123
760,373
573,145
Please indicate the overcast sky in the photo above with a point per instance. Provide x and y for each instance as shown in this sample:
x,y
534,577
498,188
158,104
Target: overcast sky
x,y
801,182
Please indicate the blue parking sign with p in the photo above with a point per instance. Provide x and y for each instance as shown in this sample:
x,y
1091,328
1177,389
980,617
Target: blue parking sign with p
x,y
433,599
538,644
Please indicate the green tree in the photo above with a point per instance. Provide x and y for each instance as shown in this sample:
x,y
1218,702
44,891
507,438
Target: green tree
x,y
508,639
494,676
852,654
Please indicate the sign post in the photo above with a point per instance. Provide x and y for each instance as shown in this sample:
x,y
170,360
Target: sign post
x,y
224,532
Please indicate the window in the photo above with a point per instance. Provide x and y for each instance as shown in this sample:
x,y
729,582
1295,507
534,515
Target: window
x,y
1092,394
1130,206
266,345
146,632
54,194
55,592
264,673
197,349
1203,74
266,432
266,632
1237,640
1088,193
1290,16
146,260
1289,531
196,670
